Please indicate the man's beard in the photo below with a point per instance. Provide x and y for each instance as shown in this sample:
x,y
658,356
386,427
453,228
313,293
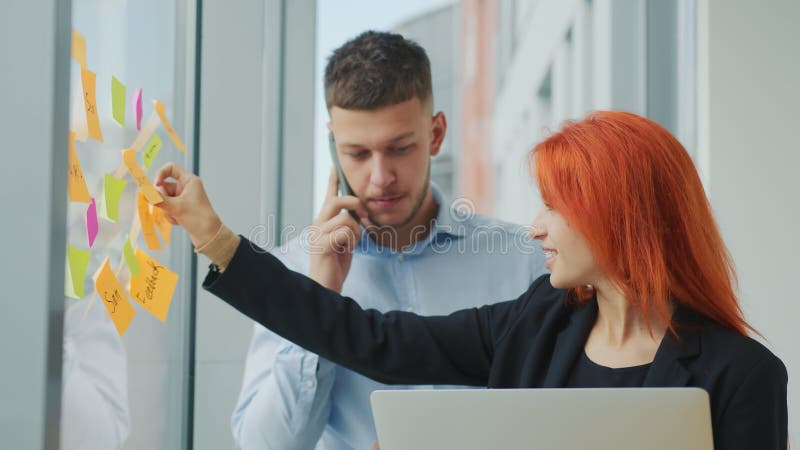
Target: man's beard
x,y
422,193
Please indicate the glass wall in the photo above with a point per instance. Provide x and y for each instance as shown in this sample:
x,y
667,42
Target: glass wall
x,y
128,275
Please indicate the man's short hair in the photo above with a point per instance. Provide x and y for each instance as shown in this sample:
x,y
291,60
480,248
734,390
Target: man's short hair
x,y
377,69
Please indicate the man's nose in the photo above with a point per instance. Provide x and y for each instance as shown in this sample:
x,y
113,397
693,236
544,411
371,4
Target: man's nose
x,y
382,174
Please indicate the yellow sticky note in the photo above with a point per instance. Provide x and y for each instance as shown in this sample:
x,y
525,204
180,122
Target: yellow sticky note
x,y
150,152
145,186
130,257
118,100
77,262
162,224
88,80
146,220
76,183
112,192
78,48
110,291
168,126
153,286
78,118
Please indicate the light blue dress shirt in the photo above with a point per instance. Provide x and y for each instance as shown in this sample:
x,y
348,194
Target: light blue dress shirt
x,y
291,397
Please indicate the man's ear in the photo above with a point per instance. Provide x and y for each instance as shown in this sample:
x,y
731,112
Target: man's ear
x,y
438,131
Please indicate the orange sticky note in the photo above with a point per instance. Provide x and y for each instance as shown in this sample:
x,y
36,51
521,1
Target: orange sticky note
x,y
78,48
109,289
168,126
145,186
76,183
88,80
146,220
162,224
153,286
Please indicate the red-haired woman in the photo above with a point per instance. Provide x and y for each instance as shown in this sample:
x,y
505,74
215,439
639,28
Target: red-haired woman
x,y
640,292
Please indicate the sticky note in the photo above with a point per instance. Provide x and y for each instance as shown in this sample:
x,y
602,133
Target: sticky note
x,y
136,104
109,202
118,100
88,79
91,223
145,186
110,291
168,126
76,183
146,221
77,262
130,257
78,48
150,152
153,286
162,224
78,118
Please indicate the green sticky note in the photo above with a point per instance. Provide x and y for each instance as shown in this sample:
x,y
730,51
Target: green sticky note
x,y
77,262
112,192
118,101
130,257
150,152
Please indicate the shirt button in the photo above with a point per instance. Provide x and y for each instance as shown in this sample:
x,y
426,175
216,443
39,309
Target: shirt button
x,y
309,384
401,258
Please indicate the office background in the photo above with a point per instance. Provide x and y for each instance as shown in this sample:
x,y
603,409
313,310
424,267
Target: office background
x,y
243,81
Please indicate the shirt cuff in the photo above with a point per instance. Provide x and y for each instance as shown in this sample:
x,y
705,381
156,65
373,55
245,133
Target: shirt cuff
x,y
221,248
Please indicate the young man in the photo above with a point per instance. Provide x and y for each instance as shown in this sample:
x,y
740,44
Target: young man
x,y
413,253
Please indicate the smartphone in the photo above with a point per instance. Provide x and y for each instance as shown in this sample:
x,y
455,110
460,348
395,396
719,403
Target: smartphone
x,y
344,188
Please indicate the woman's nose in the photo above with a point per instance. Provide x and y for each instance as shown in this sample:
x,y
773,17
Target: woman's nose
x,y
537,231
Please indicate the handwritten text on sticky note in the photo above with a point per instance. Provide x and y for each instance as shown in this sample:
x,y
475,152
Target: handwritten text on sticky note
x,y
88,80
150,152
110,291
153,286
76,183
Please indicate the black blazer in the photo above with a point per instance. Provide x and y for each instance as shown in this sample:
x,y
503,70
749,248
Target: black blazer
x,y
530,342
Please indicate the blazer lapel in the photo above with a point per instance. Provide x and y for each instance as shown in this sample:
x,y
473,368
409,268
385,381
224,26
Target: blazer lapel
x,y
569,344
668,369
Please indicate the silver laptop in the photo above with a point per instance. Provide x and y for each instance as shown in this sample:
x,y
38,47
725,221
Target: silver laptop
x,y
544,419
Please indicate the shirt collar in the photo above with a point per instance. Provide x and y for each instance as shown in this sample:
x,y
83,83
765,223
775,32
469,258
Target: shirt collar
x,y
449,223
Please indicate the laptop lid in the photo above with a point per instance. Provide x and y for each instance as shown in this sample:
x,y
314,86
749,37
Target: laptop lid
x,y
544,419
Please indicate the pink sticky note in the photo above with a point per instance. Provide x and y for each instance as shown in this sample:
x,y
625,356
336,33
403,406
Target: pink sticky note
x,y
91,223
136,103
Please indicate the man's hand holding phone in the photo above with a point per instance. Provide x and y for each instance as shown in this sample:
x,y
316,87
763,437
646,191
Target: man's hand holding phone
x,y
334,235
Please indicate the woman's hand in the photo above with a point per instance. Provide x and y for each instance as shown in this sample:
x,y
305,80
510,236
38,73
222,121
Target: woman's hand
x,y
333,237
186,203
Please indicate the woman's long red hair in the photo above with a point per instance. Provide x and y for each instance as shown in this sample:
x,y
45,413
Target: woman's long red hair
x,y
630,188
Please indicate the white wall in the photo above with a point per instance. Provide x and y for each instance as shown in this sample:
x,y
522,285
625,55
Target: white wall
x,y
749,71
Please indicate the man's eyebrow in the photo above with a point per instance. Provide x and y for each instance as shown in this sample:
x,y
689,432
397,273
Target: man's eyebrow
x,y
401,136
393,140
